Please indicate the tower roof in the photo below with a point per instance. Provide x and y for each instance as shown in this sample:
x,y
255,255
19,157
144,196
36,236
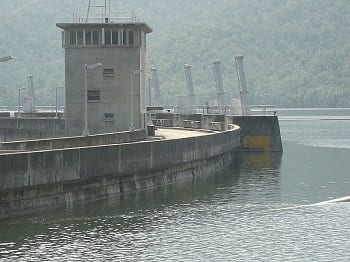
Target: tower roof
x,y
140,25
110,19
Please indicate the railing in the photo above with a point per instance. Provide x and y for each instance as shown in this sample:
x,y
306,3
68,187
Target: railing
x,y
4,108
109,17
222,110
39,111
262,110
198,109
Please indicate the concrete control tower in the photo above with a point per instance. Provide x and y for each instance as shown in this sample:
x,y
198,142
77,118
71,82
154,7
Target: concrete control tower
x,y
104,59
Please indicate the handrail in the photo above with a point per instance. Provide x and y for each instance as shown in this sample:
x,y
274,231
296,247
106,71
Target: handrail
x,y
111,17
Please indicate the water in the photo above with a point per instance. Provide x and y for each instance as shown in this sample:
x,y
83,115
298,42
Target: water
x,y
258,210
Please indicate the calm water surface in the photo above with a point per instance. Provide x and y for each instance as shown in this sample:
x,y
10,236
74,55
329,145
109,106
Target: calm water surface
x,y
258,210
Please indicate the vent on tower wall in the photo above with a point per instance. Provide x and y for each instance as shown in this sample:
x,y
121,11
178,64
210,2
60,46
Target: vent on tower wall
x,y
93,96
108,72
108,117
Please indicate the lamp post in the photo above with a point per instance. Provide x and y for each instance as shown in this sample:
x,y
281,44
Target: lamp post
x,y
149,101
19,100
132,73
6,58
56,116
87,67
149,91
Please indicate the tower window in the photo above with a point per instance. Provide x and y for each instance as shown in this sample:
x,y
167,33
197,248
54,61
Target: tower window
x,y
87,37
80,37
107,37
95,37
114,37
93,95
124,37
73,37
131,37
91,37
111,37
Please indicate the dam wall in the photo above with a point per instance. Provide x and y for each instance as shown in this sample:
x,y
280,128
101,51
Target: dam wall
x,y
14,129
70,142
50,178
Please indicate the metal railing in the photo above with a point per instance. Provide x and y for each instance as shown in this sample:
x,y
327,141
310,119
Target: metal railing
x,y
109,17
223,110
262,110
197,109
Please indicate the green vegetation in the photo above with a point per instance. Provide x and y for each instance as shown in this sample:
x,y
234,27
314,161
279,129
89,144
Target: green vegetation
x,y
296,52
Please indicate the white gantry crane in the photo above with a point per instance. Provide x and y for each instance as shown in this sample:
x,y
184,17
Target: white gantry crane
x,y
156,88
219,84
189,85
243,91
29,97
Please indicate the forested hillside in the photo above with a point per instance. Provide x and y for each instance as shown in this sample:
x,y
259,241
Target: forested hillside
x,y
296,52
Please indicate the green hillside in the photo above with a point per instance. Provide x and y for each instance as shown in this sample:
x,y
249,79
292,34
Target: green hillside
x,y
296,52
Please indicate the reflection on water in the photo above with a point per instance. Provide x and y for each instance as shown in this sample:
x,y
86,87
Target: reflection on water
x,y
236,215
133,221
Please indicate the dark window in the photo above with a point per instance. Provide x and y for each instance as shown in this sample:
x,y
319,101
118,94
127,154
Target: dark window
x,y
72,38
107,37
131,37
115,37
87,37
93,95
108,72
124,37
95,37
80,37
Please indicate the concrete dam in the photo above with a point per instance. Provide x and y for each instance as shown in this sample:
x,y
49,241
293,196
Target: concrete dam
x,y
59,172
33,180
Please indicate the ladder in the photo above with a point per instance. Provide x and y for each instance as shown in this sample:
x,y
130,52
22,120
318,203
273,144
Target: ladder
x,y
104,5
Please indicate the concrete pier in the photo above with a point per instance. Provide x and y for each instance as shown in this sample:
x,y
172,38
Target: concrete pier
x,y
258,133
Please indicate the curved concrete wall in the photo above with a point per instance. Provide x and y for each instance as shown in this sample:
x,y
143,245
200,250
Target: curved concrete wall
x,y
49,178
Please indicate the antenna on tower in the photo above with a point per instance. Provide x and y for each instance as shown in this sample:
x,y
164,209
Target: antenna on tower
x,y
99,5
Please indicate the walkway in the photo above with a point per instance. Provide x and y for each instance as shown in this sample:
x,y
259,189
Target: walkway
x,y
177,133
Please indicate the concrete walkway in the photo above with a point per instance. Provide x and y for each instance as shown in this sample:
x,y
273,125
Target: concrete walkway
x,y
177,133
